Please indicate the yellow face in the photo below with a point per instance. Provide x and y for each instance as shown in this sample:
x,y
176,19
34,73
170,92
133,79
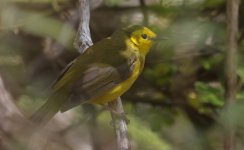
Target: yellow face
x,y
143,38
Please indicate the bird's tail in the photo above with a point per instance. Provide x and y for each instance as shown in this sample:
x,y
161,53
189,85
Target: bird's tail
x,y
48,110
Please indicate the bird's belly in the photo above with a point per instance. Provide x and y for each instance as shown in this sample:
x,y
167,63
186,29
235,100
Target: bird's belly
x,y
118,90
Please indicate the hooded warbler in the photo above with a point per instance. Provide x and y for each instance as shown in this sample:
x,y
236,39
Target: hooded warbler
x,y
102,73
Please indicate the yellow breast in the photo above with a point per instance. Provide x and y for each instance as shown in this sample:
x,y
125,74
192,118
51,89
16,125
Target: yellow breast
x,y
120,89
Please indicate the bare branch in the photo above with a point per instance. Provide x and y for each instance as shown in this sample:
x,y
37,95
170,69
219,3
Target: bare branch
x,y
9,112
13,123
120,125
82,42
83,37
231,54
231,65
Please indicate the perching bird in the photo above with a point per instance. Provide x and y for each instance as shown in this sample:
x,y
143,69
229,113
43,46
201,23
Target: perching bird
x,y
102,73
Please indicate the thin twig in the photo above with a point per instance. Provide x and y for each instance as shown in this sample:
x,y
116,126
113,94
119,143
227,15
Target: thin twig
x,y
82,42
231,65
120,125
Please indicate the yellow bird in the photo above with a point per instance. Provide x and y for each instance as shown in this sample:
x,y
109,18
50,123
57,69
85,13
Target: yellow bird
x,y
102,73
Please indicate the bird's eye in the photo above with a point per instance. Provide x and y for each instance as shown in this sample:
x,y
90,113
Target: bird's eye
x,y
144,36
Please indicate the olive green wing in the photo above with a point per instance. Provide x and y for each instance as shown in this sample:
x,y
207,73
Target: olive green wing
x,y
99,69
105,51
67,67
99,78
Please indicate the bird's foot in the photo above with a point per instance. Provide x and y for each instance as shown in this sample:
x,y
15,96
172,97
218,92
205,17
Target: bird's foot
x,y
117,115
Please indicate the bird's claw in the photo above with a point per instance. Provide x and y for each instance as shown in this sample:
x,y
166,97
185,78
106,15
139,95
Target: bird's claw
x,y
119,116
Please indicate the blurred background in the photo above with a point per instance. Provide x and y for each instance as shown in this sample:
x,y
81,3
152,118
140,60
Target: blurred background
x,y
177,102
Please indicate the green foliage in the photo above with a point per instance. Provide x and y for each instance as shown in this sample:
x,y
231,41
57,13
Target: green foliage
x,y
145,138
240,70
158,74
232,117
210,94
37,24
183,79
213,3
157,118
112,2
142,136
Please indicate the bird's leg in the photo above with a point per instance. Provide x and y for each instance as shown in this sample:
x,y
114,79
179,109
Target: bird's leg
x,y
116,114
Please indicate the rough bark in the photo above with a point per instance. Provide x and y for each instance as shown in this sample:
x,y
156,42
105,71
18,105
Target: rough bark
x,y
231,65
120,125
83,37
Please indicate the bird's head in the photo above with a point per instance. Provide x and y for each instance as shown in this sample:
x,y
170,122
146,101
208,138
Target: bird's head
x,y
141,36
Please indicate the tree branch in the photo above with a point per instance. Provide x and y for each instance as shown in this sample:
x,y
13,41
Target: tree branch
x,y
14,125
120,125
82,42
83,37
231,65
